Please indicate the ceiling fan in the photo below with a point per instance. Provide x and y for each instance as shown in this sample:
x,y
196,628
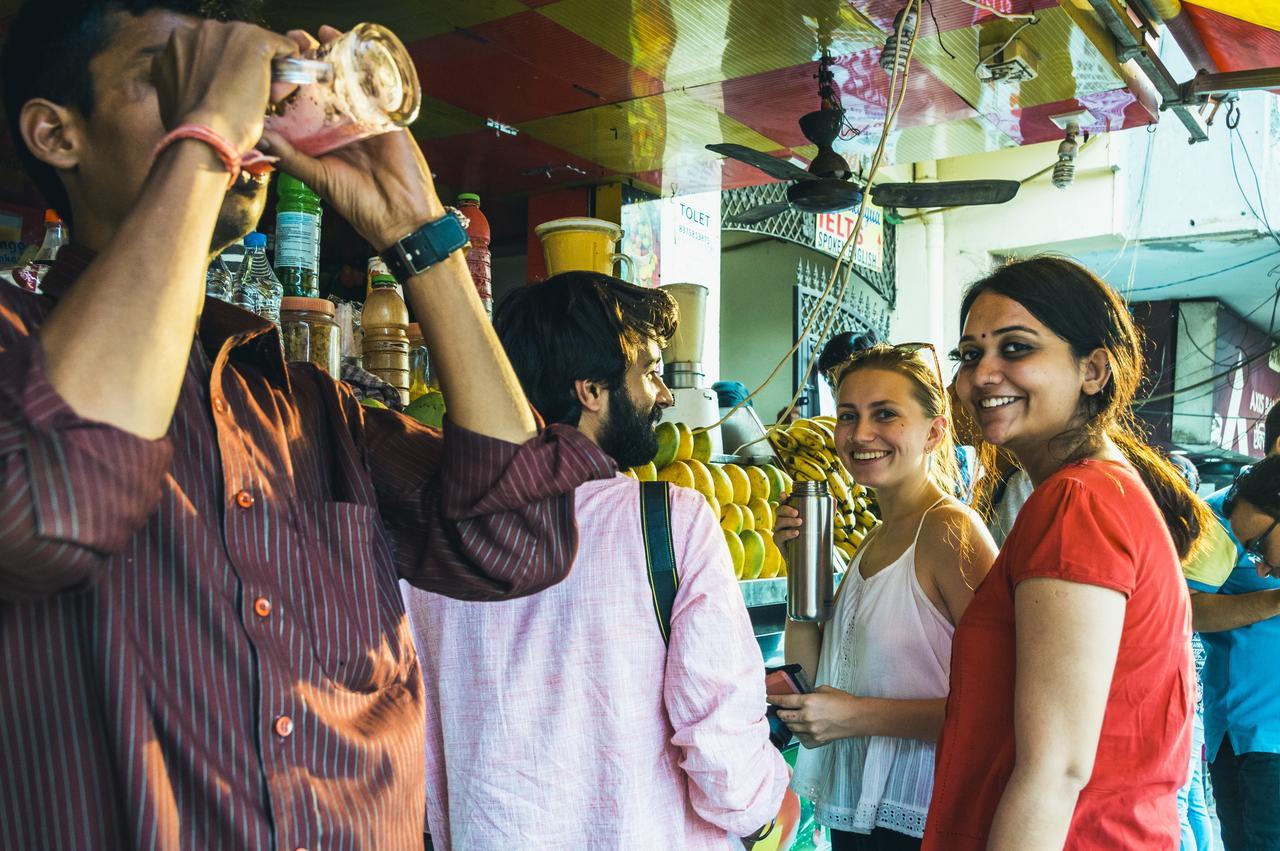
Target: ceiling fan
x,y
827,185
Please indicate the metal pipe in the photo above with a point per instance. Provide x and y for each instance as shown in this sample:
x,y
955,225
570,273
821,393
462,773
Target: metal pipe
x,y
1203,85
1166,9
1129,47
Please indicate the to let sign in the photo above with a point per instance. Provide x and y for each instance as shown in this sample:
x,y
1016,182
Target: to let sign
x,y
831,231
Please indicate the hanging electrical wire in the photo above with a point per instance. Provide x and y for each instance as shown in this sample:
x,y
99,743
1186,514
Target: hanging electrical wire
x,y
938,31
897,94
1274,300
1212,274
1008,16
1260,214
1234,135
1031,20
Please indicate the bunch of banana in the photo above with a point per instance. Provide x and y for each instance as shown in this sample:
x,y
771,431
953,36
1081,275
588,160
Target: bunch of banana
x,y
807,449
745,499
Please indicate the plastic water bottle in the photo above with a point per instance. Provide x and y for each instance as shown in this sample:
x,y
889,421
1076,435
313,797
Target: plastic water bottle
x,y
29,275
218,281
297,238
384,321
257,281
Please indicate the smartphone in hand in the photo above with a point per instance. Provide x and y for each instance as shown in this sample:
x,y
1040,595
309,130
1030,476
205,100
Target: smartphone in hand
x,y
788,679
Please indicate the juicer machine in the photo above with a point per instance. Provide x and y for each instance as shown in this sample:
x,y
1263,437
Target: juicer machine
x,y
696,404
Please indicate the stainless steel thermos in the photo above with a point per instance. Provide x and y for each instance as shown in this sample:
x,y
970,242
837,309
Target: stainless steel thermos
x,y
809,575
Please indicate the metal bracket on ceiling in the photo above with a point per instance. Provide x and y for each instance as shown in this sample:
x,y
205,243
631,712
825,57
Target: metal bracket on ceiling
x,y
1194,102
1130,46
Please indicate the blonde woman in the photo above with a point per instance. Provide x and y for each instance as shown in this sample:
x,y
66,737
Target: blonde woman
x,y
882,663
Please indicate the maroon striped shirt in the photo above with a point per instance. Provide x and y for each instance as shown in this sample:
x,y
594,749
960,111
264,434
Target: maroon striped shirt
x,y
202,641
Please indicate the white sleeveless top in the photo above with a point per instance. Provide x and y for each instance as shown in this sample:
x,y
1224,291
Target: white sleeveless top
x,y
886,639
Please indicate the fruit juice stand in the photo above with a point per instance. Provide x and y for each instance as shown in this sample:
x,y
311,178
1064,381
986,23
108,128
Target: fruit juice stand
x,y
560,108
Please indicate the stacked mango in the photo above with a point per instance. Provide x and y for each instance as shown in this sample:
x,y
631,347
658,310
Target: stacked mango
x,y
808,451
744,498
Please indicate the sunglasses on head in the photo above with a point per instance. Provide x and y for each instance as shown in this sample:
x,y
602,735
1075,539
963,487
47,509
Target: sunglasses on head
x,y
905,348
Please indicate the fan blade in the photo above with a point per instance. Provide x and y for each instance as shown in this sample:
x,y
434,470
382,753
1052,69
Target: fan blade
x,y
757,214
948,193
772,166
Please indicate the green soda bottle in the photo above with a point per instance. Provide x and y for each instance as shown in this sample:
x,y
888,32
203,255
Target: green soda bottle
x,y
297,238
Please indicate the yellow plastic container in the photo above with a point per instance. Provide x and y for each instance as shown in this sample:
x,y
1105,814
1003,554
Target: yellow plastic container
x,y
583,244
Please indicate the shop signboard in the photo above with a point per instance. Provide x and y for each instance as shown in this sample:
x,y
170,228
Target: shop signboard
x,y
676,240
691,240
831,230
1249,388
691,255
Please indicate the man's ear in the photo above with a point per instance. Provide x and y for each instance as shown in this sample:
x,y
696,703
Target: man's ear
x,y
51,132
592,395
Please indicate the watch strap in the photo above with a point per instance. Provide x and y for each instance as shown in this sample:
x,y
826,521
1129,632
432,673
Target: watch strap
x,y
424,248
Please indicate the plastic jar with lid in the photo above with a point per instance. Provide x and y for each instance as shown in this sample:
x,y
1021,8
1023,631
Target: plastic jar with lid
x,y
310,333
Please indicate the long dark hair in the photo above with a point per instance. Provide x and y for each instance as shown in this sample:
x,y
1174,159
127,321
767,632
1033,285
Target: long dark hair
x,y
1089,315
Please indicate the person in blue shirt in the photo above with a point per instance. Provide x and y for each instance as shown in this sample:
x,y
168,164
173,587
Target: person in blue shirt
x,y
1210,564
1239,622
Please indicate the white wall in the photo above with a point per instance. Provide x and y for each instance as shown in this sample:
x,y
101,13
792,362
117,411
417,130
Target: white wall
x,y
1130,185
1039,215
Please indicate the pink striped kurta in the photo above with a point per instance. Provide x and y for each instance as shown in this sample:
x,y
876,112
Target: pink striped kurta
x,y
562,721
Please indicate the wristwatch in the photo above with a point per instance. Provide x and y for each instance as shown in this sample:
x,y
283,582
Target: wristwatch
x,y
425,247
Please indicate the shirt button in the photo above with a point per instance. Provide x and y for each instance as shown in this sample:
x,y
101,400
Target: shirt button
x,y
262,607
244,499
284,726
218,405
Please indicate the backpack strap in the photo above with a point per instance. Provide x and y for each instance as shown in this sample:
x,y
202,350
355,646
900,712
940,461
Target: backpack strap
x,y
659,551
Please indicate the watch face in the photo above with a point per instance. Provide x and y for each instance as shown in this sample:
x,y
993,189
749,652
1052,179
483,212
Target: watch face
x,y
425,247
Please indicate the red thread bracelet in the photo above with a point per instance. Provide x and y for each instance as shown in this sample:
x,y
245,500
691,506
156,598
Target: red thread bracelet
x,y
230,156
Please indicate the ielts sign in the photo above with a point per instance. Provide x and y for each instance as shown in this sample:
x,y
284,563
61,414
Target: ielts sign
x,y
832,230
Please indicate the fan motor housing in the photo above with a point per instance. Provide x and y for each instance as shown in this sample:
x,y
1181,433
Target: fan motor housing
x,y
825,195
822,126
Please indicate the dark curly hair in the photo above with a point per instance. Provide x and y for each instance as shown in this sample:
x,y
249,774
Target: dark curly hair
x,y
1259,486
579,326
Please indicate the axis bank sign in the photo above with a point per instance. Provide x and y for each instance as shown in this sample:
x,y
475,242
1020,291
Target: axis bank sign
x,y
1247,390
831,231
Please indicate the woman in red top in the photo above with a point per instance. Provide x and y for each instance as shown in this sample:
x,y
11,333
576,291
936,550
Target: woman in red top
x,y
1068,724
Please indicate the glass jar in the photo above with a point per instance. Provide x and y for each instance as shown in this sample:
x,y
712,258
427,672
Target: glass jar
x,y
310,333
361,84
419,363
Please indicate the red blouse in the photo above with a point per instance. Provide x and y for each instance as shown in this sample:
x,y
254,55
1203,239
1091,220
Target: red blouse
x,y
1092,522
